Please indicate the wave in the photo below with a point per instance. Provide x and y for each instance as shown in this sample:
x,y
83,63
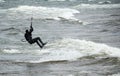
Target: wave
x,y
11,31
61,0
105,2
7,29
69,49
39,12
97,6
115,74
1,1
10,51
56,0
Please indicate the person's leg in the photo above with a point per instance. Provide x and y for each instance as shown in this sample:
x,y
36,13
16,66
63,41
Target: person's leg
x,y
38,44
40,40
36,40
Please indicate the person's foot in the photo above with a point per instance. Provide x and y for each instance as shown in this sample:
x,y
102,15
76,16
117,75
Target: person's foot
x,y
41,47
44,44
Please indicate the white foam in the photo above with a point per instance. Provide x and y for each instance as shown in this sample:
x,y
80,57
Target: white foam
x,y
72,49
2,1
90,0
69,49
105,2
115,74
11,51
86,48
97,6
61,0
56,0
39,12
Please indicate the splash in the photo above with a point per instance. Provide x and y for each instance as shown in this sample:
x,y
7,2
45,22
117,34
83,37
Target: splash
x,y
86,48
68,49
39,12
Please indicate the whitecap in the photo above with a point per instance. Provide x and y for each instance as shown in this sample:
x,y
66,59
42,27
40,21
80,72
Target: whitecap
x,y
105,2
40,12
86,48
56,0
62,0
11,51
115,74
97,6
72,49
1,1
68,49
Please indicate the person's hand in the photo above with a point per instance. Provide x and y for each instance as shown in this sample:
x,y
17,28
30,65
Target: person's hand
x,y
30,26
31,21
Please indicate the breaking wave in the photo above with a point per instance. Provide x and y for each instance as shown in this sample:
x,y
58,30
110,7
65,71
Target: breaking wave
x,y
115,74
40,12
97,6
1,1
62,0
68,49
56,0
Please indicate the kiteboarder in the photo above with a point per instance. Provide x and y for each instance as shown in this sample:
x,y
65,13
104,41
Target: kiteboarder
x,y
28,37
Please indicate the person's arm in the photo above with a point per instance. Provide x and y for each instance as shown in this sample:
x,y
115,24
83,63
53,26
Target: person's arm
x,y
31,28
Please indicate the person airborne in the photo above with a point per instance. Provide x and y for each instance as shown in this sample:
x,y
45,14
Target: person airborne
x,y
28,37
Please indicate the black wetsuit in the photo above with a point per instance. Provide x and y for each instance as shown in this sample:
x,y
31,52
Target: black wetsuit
x,y
28,37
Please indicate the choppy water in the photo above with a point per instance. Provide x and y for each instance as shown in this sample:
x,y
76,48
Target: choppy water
x,y
83,38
